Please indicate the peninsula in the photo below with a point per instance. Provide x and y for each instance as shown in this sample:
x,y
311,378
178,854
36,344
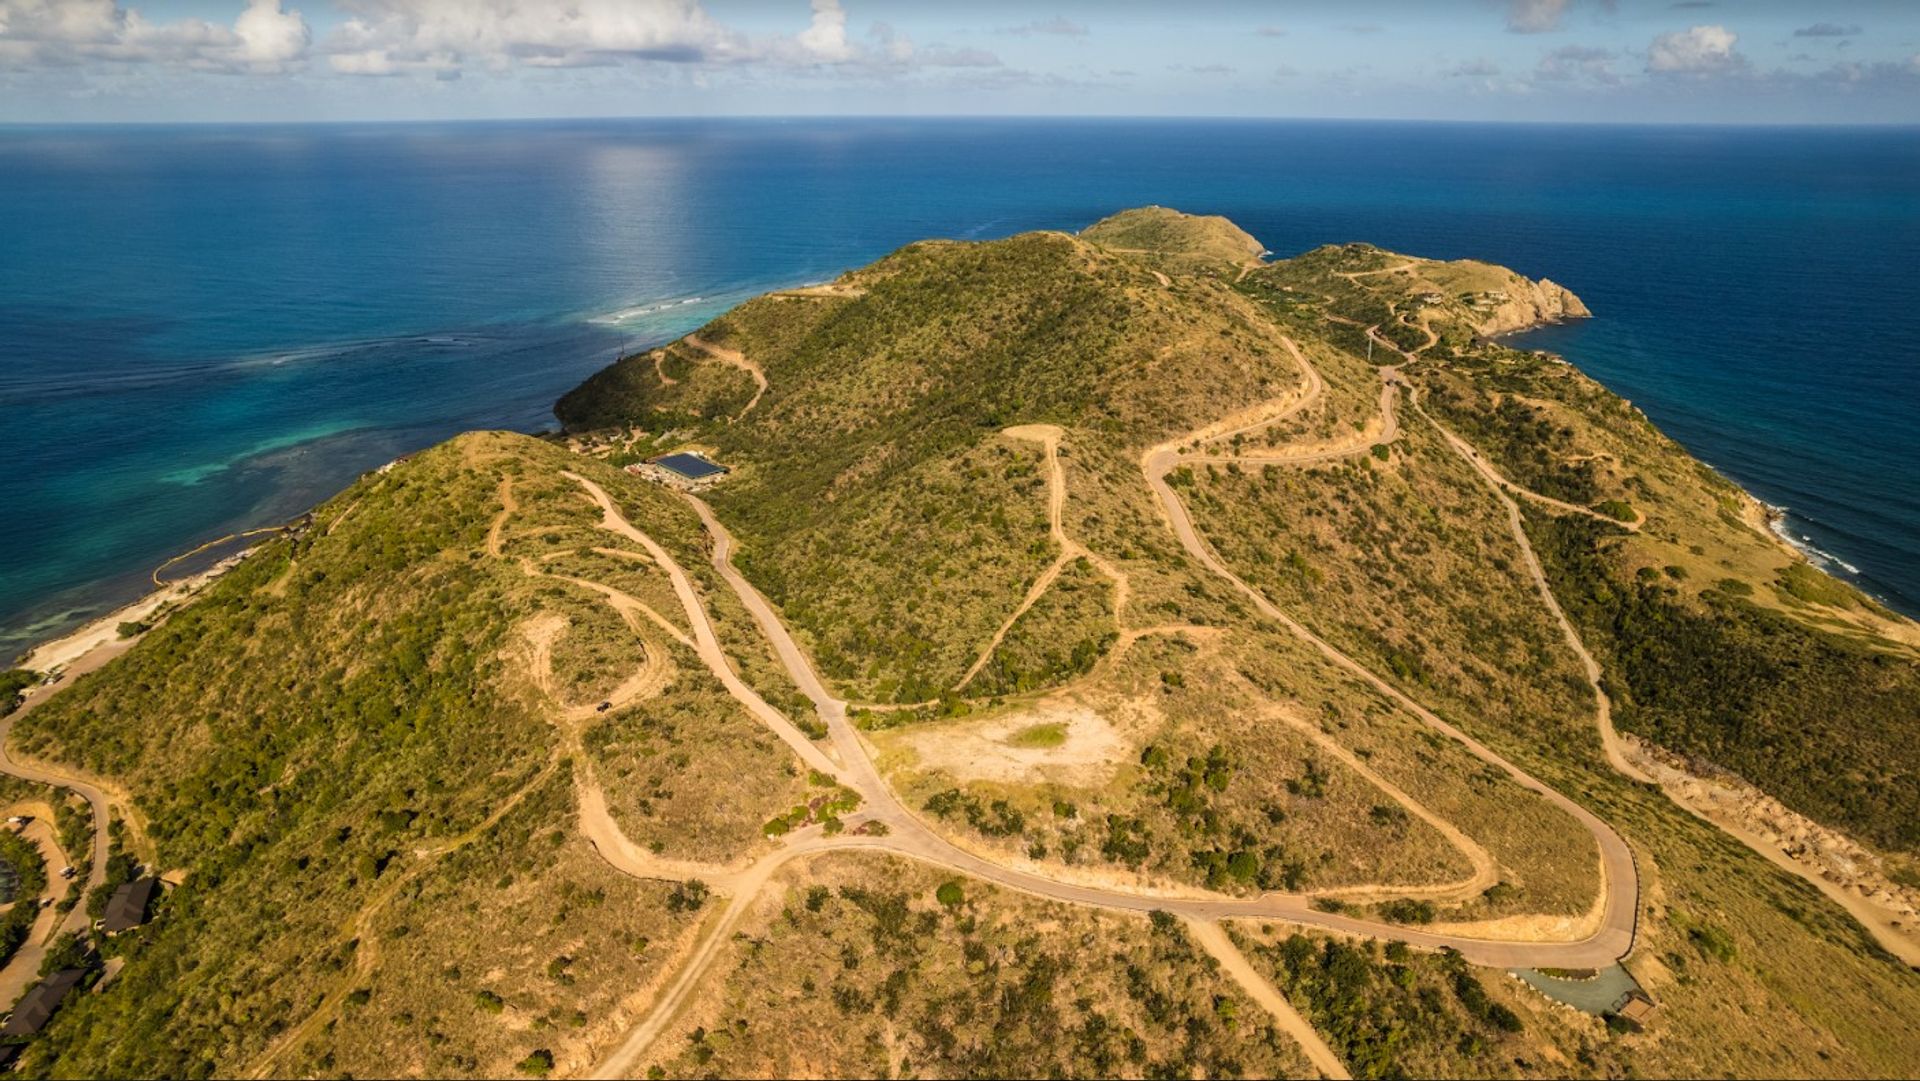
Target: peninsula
x,y
1098,654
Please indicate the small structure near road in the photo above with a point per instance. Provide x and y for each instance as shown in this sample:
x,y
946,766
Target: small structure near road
x,y
687,470
127,908
38,1006
1601,992
1635,1006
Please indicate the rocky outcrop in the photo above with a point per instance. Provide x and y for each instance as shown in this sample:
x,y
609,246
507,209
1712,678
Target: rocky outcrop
x,y
1823,851
1524,303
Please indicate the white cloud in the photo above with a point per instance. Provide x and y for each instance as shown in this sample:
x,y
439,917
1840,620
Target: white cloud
x,y
54,22
1695,50
825,40
390,36
269,37
59,33
365,62
894,53
1535,16
386,37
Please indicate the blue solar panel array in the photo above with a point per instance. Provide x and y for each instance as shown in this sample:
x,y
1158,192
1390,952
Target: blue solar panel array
x,y
690,466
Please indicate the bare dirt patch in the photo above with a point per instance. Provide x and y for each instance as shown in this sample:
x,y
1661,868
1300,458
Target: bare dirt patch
x,y
1061,740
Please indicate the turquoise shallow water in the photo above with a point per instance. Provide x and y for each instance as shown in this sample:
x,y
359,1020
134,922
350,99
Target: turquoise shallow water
x,y
210,327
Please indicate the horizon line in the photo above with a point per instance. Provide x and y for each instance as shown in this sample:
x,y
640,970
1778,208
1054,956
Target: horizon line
x,y
1881,125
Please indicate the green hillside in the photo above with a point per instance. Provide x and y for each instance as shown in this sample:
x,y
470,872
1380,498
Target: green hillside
x,y
341,750
492,770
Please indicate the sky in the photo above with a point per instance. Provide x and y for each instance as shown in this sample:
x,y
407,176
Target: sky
x,y
1658,61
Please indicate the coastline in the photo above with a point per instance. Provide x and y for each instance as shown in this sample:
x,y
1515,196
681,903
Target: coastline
x,y
45,620
1776,518
54,658
1772,520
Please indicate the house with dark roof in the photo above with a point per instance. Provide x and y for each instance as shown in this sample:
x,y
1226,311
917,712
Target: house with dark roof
x,y
127,908
38,1005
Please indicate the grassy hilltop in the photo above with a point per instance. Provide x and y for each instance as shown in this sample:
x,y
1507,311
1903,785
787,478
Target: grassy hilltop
x,y
410,840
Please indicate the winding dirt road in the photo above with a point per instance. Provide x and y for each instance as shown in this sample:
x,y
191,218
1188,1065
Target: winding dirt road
x,y
1615,935
1503,487
1603,705
848,759
739,360
104,801
851,762
1048,436
907,835
1213,938
23,968
1879,922
706,643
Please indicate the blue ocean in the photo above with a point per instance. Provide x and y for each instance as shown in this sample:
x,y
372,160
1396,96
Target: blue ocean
x,y
209,328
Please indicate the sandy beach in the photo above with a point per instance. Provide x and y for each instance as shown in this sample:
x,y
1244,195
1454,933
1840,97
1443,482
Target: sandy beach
x,y
56,656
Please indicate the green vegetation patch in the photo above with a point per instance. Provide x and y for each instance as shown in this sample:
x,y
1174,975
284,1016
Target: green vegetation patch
x,y
1189,238
1051,734
1828,725
30,872
13,683
1062,636
1804,583
1394,1012
704,391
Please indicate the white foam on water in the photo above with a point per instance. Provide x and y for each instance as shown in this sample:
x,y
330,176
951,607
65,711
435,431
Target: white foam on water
x,y
1777,520
640,310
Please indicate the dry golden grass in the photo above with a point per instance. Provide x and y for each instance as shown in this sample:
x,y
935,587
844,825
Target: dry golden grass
x,y
526,940
1409,565
1309,816
852,968
689,774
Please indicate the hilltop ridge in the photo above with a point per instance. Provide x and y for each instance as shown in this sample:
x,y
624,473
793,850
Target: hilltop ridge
x,y
1161,231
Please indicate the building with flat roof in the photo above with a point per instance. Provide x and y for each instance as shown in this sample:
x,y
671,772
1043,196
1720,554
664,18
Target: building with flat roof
x,y
690,465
